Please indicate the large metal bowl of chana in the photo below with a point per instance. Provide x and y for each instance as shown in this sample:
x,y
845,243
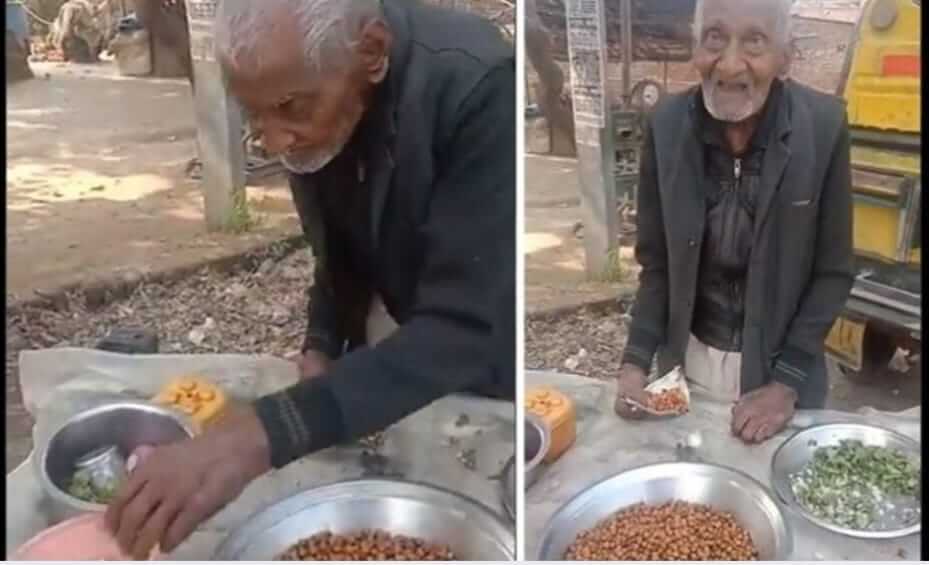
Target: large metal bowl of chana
x,y
669,511
361,514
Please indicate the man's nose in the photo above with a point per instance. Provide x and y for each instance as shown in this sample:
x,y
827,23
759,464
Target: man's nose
x,y
731,64
276,140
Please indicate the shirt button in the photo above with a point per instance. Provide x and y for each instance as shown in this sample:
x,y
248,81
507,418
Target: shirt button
x,y
691,243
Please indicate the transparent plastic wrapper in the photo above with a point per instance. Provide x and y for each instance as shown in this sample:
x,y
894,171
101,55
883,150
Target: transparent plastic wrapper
x,y
669,396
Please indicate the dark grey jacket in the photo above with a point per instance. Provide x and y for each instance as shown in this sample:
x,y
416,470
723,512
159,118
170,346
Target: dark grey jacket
x,y
440,164
801,269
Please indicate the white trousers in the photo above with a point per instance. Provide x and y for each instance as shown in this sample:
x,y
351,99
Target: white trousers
x,y
714,373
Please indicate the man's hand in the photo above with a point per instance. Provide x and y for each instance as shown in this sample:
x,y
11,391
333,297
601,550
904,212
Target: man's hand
x,y
631,384
177,487
763,413
312,364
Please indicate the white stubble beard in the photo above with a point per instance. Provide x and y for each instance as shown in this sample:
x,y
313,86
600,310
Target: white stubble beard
x,y
747,110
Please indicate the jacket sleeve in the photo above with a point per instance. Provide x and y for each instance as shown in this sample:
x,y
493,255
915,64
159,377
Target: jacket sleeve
x,y
449,343
650,312
833,273
322,332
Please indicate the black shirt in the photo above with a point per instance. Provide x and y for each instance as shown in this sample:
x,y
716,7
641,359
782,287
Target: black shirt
x,y
730,184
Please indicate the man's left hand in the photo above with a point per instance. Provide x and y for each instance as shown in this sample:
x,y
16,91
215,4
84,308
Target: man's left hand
x,y
763,413
177,487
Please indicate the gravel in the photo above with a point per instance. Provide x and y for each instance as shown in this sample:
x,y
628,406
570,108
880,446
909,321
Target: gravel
x,y
587,341
259,309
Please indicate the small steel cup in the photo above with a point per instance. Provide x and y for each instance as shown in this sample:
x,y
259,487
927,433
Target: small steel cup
x,y
105,467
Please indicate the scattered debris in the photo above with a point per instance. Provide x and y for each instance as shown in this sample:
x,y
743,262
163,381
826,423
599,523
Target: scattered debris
x,y
468,458
373,442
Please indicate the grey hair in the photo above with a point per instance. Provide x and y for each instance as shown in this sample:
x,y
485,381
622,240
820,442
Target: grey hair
x,y
782,34
330,28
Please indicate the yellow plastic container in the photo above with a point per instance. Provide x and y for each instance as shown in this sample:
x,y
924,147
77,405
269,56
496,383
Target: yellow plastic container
x,y
557,411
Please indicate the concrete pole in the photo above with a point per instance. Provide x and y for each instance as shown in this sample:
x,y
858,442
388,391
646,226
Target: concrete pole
x,y
219,125
593,131
626,16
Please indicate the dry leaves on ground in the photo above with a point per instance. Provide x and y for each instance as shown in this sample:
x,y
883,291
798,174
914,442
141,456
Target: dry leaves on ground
x,y
587,341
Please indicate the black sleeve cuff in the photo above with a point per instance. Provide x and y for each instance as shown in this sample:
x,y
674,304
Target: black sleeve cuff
x,y
640,349
300,420
318,341
792,368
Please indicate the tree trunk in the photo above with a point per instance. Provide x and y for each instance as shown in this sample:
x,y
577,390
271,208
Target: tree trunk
x,y
554,103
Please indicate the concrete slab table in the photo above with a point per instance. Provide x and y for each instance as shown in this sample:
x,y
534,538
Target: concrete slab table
x,y
607,445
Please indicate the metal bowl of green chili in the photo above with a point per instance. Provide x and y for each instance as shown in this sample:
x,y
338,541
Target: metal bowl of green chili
x,y
854,479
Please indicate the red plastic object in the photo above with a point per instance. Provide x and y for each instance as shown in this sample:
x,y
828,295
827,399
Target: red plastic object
x,y
84,538
901,65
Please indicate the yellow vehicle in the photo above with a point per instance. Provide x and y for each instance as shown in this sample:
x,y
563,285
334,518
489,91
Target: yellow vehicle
x,y
881,84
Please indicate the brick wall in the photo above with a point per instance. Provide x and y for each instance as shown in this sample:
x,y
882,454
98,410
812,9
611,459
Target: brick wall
x,y
822,49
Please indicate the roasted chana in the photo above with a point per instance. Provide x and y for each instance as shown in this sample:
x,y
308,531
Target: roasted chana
x,y
366,545
674,531
667,401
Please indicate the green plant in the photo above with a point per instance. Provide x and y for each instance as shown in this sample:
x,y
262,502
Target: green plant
x,y
615,270
241,219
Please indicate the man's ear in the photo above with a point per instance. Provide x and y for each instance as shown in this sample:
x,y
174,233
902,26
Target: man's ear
x,y
373,50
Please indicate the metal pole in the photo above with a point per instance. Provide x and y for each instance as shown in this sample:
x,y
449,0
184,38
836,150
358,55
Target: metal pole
x,y
626,17
219,125
593,131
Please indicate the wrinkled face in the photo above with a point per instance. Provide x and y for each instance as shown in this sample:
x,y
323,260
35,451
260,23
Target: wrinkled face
x,y
738,56
305,116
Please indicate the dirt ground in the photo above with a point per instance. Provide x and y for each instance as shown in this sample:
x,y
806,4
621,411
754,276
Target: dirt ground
x,y
96,185
554,254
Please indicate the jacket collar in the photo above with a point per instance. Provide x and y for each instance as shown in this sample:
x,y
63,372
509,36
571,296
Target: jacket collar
x,y
382,121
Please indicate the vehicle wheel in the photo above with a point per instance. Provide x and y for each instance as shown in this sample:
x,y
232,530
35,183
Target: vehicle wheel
x,y
879,349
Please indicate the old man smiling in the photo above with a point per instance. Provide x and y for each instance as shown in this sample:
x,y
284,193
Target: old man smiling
x,y
744,226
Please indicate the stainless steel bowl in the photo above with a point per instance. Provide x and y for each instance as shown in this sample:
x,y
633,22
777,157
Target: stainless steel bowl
x,y
125,425
722,488
537,441
798,450
471,530
508,488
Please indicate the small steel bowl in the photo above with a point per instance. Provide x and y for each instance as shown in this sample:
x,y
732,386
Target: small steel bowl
x,y
798,450
537,442
722,488
471,530
124,425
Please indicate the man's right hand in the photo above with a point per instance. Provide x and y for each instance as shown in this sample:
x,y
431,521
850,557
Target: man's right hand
x,y
631,384
312,364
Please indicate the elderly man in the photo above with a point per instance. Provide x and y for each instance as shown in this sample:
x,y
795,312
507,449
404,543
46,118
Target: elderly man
x,y
744,226
397,122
